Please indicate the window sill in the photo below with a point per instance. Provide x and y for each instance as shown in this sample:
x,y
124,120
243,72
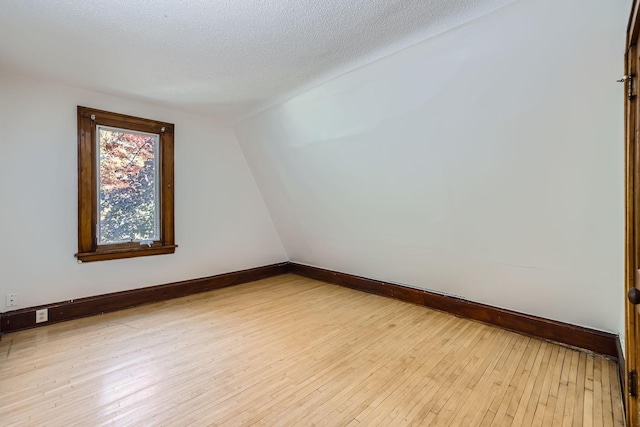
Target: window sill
x,y
121,253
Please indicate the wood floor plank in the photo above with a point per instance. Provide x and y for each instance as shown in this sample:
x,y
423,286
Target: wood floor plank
x,y
581,391
607,410
616,397
486,388
521,381
535,398
551,365
294,351
501,399
597,414
549,413
527,406
558,414
554,388
570,402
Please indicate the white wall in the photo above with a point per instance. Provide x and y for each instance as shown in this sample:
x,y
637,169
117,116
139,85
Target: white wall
x,y
222,223
486,162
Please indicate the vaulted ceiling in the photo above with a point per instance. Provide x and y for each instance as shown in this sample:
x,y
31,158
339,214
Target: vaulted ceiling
x,y
228,58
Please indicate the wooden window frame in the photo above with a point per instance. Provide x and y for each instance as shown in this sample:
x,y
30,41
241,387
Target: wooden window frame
x,y
88,247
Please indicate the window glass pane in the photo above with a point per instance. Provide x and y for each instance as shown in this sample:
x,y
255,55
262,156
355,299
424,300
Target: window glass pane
x,y
127,185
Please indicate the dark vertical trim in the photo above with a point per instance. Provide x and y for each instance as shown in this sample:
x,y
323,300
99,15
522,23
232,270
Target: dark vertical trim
x,y
622,371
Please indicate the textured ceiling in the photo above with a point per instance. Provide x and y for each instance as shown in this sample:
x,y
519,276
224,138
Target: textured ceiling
x,y
230,58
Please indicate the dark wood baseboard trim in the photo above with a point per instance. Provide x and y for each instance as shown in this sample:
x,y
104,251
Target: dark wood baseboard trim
x,y
599,342
590,339
25,318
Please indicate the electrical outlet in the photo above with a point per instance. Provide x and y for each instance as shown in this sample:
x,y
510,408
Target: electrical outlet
x,y
42,315
12,300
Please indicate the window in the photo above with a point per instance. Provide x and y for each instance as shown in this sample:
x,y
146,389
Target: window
x,y
125,186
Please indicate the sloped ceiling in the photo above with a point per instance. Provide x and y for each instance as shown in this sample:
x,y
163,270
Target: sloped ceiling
x,y
228,58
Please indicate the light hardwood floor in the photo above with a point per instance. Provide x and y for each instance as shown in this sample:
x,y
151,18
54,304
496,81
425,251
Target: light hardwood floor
x,y
293,351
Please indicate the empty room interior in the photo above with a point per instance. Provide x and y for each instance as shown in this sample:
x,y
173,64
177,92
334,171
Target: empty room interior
x,y
366,212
